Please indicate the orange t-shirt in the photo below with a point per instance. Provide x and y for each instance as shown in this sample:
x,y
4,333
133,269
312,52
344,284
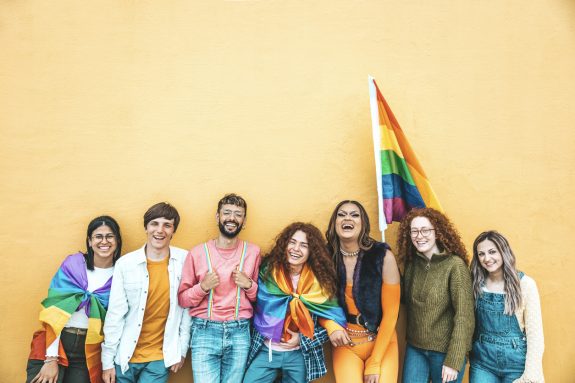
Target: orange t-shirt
x,y
150,343
349,301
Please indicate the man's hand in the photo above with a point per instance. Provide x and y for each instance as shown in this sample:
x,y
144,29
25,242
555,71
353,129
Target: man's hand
x,y
241,279
210,281
176,367
109,375
339,338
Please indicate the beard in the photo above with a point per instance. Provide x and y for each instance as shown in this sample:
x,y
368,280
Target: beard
x,y
229,234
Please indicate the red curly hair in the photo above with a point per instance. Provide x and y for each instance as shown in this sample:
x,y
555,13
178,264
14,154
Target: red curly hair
x,y
446,234
319,260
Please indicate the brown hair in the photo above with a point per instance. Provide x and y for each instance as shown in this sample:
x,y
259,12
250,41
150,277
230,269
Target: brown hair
x,y
162,210
446,235
233,199
512,285
319,260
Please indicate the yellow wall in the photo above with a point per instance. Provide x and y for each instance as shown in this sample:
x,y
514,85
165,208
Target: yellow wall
x,y
111,106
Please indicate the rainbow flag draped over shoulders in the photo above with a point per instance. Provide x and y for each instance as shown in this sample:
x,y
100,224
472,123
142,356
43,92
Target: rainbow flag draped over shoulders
x,y
68,293
402,183
276,300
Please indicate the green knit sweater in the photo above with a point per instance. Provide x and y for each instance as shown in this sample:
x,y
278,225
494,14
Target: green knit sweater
x,y
440,308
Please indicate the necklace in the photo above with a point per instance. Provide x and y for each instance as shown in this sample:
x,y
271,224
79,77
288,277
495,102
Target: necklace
x,y
228,256
352,254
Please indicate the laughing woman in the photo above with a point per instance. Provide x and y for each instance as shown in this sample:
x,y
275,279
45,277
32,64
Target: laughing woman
x,y
438,298
296,290
368,290
508,343
67,348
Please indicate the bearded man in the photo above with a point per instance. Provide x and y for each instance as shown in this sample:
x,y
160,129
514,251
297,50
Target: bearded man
x,y
219,285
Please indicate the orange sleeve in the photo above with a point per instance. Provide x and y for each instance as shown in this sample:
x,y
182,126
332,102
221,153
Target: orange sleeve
x,y
329,325
390,295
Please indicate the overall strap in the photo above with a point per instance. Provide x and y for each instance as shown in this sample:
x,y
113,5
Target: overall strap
x,y
211,293
241,267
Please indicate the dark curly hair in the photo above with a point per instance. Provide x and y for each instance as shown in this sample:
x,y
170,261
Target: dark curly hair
x,y
319,260
447,236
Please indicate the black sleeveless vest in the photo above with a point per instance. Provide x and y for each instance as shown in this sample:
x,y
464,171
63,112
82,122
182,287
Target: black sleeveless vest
x,y
367,280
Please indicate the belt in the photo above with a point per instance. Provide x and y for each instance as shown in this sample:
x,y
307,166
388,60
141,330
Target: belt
x,y
75,330
356,319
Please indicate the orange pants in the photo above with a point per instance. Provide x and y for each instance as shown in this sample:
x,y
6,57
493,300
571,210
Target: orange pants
x,y
349,362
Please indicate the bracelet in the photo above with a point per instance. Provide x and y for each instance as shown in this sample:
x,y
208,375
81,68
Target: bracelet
x,y
251,284
51,359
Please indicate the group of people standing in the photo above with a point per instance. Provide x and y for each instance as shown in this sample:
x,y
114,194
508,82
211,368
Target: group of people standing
x,y
252,318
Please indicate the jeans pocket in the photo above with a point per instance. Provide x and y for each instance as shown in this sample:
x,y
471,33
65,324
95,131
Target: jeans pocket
x,y
516,357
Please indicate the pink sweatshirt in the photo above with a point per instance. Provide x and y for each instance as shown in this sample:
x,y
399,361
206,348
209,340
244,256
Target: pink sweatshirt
x,y
224,261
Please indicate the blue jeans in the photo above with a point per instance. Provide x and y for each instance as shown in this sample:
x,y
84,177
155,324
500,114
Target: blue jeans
x,y
219,350
149,372
77,371
499,345
480,374
290,363
421,365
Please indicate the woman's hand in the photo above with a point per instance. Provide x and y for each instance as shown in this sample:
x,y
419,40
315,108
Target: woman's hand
x,y
48,373
339,338
448,374
374,378
292,342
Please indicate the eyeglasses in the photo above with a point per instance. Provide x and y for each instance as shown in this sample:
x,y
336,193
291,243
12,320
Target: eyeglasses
x,y
424,232
100,237
236,214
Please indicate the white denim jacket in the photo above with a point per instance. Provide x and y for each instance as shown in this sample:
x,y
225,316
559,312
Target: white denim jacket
x,y
125,314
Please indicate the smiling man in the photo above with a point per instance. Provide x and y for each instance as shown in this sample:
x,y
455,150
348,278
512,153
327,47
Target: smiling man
x,y
219,284
146,332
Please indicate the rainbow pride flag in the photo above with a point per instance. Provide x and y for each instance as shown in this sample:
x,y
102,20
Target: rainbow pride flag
x,y
401,182
277,305
68,293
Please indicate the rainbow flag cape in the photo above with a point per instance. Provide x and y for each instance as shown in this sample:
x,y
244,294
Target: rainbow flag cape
x,y
401,182
68,293
275,297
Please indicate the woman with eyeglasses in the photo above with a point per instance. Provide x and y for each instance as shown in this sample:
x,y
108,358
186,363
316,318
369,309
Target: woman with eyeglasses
x,y
438,298
67,348
369,292
508,342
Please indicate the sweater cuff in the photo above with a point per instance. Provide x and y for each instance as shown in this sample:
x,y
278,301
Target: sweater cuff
x,y
455,361
251,293
330,326
198,292
371,367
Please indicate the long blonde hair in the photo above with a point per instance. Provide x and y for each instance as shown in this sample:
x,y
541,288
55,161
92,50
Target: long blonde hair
x,y
512,288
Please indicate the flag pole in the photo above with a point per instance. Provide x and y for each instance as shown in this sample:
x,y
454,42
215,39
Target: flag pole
x,y
377,154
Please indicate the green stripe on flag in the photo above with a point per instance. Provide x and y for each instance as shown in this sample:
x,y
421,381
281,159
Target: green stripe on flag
x,y
392,163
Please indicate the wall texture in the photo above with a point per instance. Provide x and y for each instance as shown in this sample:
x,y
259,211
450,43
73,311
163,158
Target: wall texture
x,y
111,106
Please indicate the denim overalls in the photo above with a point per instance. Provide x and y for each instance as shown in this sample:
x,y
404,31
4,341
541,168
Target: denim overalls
x,y
499,345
